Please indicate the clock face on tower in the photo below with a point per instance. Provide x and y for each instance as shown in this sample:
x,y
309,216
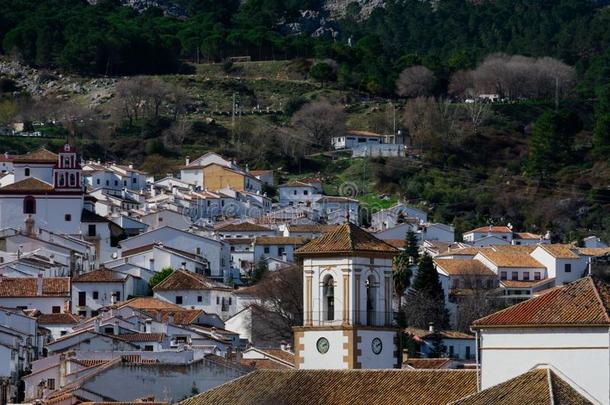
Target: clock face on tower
x,y
376,345
322,345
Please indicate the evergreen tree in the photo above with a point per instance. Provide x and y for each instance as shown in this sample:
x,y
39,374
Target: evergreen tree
x,y
601,129
426,303
427,281
412,247
551,142
259,271
159,277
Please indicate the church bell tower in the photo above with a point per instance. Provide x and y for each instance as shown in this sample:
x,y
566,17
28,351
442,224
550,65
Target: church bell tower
x,y
67,171
347,303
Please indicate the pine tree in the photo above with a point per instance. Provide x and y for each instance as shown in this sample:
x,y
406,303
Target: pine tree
x,y
412,247
427,281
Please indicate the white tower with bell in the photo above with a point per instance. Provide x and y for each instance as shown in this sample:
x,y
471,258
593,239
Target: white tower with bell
x,y
347,303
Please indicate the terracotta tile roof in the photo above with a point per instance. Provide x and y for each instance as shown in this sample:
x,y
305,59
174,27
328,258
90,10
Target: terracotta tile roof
x,y
102,275
280,240
186,280
317,387
161,310
512,248
280,354
264,364
364,133
491,229
427,364
312,228
583,302
58,319
461,267
27,287
89,362
560,251
238,241
143,337
347,239
539,386
397,243
150,303
594,251
466,251
243,227
40,155
29,184
514,260
296,183
525,284
527,235
447,334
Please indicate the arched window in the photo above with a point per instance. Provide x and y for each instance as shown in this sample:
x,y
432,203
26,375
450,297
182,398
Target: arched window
x,y
371,297
328,293
27,171
72,179
29,205
62,180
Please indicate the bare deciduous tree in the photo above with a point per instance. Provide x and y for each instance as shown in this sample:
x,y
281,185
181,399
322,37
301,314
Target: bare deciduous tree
x,y
478,113
173,137
415,81
318,121
145,96
516,76
279,304
431,123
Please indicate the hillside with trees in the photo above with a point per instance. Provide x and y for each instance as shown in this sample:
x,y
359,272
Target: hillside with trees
x,y
150,88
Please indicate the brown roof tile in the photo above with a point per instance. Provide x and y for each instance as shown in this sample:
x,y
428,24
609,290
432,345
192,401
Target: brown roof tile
x,y
583,302
313,228
280,354
40,155
317,387
264,364
491,229
513,260
58,319
426,364
29,184
187,280
539,386
243,227
102,275
347,239
460,267
560,251
594,251
27,287
280,240
143,337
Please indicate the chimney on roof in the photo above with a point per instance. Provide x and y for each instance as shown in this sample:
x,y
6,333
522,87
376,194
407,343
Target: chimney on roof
x,y
96,325
39,280
115,328
113,299
148,325
187,161
170,318
431,327
29,226
131,166
169,175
